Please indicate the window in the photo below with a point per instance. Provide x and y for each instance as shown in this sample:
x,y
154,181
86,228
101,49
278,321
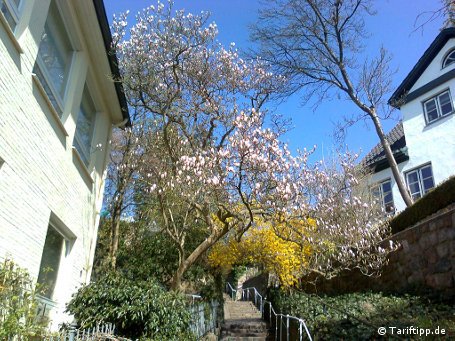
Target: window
x,y
10,10
54,58
54,247
420,181
84,127
438,106
383,193
450,59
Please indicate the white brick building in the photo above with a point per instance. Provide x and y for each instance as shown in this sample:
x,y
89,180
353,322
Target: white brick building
x,y
57,108
424,142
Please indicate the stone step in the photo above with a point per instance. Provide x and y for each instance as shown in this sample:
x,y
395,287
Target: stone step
x,y
243,322
245,328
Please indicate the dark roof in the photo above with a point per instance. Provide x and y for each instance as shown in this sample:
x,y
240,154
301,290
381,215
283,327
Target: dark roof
x,y
422,64
376,158
112,57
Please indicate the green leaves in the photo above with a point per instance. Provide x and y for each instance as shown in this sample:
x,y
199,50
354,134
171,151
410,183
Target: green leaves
x,y
18,303
358,315
138,308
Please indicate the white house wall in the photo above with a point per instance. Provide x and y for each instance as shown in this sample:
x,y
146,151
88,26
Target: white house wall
x,y
41,176
387,174
434,70
434,142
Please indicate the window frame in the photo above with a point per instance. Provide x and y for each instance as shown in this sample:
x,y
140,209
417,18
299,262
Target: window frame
x,y
13,10
65,249
447,56
46,81
420,180
438,106
85,156
379,185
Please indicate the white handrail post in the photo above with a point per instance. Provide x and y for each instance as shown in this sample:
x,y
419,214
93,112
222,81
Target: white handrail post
x,y
287,327
300,330
281,326
270,312
262,308
276,327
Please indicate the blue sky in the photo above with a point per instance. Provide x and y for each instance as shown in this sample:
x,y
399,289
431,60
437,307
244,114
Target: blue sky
x,y
394,27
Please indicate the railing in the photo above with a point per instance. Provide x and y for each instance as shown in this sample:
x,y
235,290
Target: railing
x,y
286,326
100,332
203,317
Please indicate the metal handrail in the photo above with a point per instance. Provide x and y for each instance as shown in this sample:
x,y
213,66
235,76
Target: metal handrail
x,y
257,298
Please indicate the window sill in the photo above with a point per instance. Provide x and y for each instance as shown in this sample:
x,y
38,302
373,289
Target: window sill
x,y
44,306
10,33
82,167
49,104
440,118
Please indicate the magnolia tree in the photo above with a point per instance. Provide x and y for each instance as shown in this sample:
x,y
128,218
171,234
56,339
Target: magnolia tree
x,y
328,229
211,159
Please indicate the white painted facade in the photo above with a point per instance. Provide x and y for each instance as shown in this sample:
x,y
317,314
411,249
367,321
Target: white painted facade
x,y
426,142
43,179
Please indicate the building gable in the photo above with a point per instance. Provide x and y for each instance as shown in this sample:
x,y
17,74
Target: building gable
x,y
428,72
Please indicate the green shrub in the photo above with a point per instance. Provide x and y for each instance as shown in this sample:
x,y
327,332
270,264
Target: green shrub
x,y
440,197
138,309
18,304
357,316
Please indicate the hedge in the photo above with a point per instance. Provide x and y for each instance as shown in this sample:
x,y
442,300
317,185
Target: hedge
x,y
438,198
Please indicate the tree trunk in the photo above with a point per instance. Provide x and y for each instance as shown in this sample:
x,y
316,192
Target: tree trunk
x,y
115,228
393,164
176,281
115,231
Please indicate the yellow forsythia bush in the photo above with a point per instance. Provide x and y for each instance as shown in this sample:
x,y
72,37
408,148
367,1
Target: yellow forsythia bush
x,y
270,244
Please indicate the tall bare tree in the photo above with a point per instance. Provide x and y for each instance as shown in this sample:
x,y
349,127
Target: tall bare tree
x,y
318,46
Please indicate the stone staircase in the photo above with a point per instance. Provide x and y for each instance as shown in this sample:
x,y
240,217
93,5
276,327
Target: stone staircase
x,y
242,321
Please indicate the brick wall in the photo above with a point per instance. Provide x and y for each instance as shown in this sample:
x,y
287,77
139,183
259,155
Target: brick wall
x,y
424,261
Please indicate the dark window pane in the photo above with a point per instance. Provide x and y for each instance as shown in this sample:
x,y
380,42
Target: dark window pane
x,y
431,110
412,177
426,172
47,89
428,184
84,127
50,261
430,105
54,56
386,186
414,187
8,15
388,197
450,59
445,103
446,108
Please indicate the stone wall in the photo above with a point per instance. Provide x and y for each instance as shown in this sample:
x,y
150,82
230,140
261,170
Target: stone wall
x,y
424,261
